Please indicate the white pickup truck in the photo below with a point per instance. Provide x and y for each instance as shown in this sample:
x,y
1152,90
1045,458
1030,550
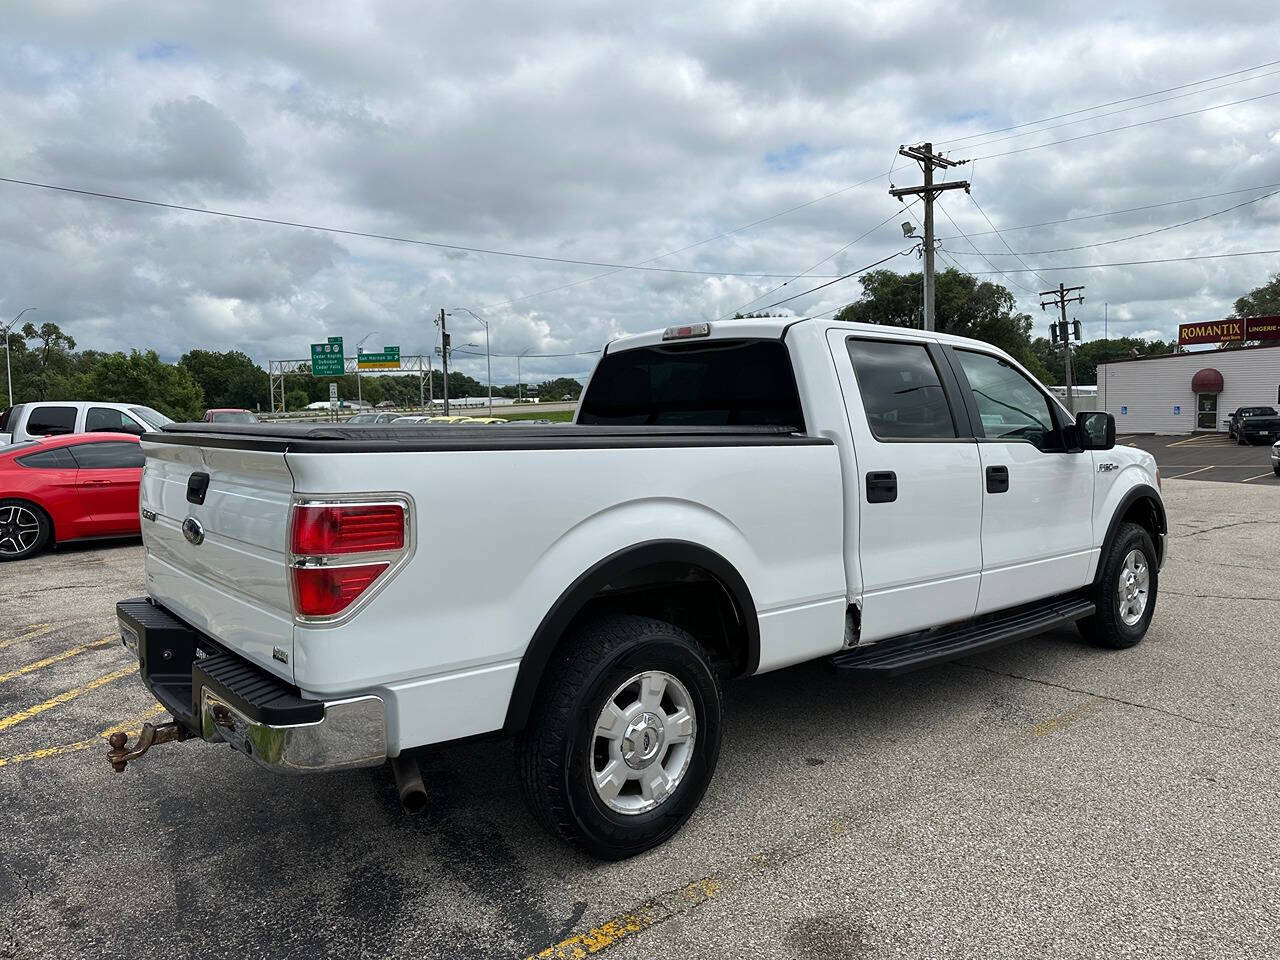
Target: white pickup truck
x,y
733,498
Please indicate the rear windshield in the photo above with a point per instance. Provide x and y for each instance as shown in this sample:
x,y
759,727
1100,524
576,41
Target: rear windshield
x,y
710,383
234,416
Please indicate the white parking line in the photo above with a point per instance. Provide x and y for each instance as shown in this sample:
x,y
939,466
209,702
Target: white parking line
x,y
1269,473
1189,472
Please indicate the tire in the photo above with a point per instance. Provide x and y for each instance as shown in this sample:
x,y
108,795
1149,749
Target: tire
x,y
25,529
1109,626
562,752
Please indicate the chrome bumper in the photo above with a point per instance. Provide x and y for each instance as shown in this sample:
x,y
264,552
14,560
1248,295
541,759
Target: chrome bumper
x,y
352,733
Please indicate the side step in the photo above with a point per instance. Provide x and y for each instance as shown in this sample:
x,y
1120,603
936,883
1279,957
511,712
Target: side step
x,y
888,658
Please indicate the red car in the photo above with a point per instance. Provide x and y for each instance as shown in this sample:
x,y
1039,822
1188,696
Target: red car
x,y
71,487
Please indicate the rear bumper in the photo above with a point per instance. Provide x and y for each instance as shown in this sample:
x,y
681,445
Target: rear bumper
x,y
223,698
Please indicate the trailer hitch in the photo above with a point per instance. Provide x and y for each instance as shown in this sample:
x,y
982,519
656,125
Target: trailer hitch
x,y
120,754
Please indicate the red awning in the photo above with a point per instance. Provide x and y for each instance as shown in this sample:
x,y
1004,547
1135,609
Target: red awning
x,y
1207,380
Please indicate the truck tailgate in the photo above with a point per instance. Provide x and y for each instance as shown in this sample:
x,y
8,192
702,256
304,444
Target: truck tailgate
x,y
226,575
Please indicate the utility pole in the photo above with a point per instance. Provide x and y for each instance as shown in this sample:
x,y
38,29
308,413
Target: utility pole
x,y
444,354
8,328
519,381
1061,331
928,160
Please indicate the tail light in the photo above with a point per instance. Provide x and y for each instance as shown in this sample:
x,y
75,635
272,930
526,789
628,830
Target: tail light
x,y
339,550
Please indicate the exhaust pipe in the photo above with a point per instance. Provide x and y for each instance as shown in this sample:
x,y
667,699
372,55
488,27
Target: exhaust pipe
x,y
413,792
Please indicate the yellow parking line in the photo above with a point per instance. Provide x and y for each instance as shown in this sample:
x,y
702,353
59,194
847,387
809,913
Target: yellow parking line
x,y
1188,473
22,715
39,630
64,655
1269,473
129,726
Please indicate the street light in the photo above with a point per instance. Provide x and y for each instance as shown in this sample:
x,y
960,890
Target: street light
x,y
359,346
8,327
519,381
487,368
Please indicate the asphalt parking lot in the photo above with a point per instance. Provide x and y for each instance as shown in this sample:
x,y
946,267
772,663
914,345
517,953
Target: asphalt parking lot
x,y
1207,456
1048,799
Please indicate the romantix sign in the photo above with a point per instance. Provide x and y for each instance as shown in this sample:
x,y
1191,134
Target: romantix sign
x,y
1230,331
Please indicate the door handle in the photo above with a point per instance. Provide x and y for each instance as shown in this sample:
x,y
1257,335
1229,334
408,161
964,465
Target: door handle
x,y
882,486
997,479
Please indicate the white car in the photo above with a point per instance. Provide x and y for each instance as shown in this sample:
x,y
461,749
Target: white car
x,y
1275,457
26,421
733,498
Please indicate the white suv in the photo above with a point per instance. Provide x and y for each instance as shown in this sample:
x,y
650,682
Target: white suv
x,y
26,421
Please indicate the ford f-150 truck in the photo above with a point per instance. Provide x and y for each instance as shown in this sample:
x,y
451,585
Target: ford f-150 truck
x,y
733,498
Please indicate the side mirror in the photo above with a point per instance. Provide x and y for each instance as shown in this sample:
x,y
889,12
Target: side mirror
x,y
136,429
1096,430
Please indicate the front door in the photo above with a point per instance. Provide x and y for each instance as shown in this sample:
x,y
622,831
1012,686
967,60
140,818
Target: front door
x,y
1037,512
1207,411
916,487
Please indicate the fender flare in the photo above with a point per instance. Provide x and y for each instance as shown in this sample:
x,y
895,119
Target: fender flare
x,y
1141,491
589,584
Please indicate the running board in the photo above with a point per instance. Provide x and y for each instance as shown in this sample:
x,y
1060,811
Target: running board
x,y
888,658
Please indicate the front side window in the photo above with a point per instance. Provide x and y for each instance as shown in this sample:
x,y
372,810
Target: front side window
x,y
901,391
46,421
100,419
1010,405
107,456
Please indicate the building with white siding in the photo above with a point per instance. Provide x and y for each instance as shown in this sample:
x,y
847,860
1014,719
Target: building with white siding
x,y
1188,392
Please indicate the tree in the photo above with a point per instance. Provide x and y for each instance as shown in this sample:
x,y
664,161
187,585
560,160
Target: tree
x,y
52,358
966,307
228,379
1263,301
559,387
142,377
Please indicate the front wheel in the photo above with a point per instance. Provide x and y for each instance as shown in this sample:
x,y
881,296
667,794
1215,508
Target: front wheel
x,y
1125,593
623,738
24,529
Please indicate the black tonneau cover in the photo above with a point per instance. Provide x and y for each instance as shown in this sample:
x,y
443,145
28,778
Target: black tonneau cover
x,y
409,438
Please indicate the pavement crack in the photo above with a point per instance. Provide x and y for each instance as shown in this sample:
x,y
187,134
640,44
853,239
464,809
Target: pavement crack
x,y
1223,526
1218,596
9,938
1117,700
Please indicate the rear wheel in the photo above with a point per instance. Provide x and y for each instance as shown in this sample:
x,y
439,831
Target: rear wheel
x,y
1125,593
24,529
623,738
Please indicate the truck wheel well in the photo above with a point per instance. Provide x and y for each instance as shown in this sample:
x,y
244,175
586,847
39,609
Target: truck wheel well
x,y
680,583
1141,505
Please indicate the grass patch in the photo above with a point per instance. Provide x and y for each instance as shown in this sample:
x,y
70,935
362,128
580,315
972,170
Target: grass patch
x,y
560,416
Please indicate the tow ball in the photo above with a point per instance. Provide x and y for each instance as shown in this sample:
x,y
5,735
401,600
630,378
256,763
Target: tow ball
x,y
120,753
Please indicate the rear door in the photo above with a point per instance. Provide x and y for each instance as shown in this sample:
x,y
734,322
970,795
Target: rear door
x,y
1037,512
107,481
919,498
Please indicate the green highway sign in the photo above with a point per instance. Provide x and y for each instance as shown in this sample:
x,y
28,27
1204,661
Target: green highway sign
x,y
388,359
326,358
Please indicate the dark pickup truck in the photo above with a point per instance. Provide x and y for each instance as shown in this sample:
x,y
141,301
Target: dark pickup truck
x,y
1251,424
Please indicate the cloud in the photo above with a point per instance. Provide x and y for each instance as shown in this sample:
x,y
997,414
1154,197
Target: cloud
x,y
560,130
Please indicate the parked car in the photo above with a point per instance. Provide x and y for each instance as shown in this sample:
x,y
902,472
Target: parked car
x,y
449,419
410,418
1275,457
1240,413
487,420
230,415
734,498
57,489
373,418
1258,427
26,421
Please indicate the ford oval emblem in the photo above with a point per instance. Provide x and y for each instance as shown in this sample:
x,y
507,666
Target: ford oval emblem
x,y
193,531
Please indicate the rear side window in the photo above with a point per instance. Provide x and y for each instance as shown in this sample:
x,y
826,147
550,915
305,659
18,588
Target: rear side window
x,y
901,391
104,418
107,456
44,421
709,384
56,459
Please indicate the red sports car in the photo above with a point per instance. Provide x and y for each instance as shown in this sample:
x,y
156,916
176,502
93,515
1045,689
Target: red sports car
x,y
71,487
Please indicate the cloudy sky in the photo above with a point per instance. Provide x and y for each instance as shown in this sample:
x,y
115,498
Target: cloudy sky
x,y
608,133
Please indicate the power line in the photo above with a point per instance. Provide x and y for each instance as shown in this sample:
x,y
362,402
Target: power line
x,y
820,286
773,290
1137,106
1129,126
979,252
208,211
1004,241
1112,213
1136,263
1132,236
1112,103
527,356
698,243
